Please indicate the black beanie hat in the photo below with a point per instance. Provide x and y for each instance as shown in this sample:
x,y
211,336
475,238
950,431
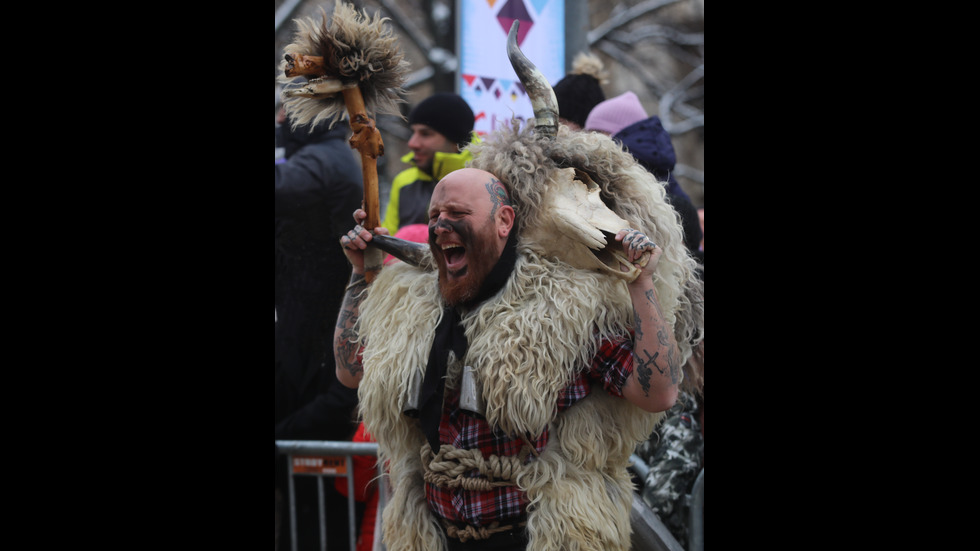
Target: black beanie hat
x,y
447,114
577,94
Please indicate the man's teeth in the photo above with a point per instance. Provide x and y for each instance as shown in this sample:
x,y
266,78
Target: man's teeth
x,y
449,246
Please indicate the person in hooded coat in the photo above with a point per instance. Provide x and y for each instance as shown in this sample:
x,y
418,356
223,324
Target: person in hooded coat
x,y
317,186
649,143
625,120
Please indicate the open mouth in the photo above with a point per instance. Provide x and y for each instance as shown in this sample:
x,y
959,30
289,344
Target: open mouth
x,y
455,255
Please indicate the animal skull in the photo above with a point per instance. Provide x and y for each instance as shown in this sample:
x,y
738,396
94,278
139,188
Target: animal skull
x,y
579,229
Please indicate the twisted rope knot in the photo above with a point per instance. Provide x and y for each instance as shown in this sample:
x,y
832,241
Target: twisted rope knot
x,y
477,532
447,468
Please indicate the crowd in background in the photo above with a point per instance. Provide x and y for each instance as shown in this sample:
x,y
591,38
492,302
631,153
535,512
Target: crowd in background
x,y
318,185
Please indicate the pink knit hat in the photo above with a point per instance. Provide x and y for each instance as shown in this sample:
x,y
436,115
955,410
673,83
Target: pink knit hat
x,y
616,113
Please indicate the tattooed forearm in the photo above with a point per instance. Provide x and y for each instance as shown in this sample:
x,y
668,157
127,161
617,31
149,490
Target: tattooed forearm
x,y
656,303
663,338
643,371
347,353
351,306
346,345
655,366
357,284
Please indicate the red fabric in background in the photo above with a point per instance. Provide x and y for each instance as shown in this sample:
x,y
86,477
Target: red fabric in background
x,y
365,489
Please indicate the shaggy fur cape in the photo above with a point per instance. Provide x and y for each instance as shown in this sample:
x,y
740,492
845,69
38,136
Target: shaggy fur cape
x,y
526,344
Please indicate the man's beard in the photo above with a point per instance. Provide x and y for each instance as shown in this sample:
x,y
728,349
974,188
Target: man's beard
x,y
480,260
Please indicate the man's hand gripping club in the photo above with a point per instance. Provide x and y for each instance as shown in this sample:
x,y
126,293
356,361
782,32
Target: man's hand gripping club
x,y
356,240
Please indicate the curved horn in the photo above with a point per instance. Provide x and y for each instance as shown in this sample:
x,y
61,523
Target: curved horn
x,y
410,252
543,99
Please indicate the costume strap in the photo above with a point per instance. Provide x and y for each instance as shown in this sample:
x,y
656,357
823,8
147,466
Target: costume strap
x,y
477,532
448,467
450,335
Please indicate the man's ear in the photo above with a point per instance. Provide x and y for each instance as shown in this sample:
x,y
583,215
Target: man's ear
x,y
505,217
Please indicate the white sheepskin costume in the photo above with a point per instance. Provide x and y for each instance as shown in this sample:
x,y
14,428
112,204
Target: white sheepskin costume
x,y
526,344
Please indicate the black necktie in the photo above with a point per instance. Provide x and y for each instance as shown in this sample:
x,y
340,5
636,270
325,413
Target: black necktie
x,y
449,335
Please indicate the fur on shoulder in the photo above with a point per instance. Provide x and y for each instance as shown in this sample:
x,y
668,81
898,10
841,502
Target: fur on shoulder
x,y
528,165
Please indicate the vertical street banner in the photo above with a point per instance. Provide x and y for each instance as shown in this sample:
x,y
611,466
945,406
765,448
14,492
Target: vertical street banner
x,y
487,81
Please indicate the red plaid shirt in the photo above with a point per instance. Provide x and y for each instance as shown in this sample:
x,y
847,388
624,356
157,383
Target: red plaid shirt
x,y
611,366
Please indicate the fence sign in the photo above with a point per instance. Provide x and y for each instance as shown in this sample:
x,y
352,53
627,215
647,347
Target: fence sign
x,y
320,464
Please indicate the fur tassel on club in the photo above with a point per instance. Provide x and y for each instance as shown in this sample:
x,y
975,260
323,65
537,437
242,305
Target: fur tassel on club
x,y
357,50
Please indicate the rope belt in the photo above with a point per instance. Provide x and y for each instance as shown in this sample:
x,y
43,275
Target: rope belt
x,y
477,532
446,468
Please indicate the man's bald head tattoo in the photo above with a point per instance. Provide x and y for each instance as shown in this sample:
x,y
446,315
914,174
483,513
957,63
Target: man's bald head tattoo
x,y
498,195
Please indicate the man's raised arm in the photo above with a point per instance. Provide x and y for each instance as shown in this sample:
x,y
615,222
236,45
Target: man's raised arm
x,y
654,384
346,349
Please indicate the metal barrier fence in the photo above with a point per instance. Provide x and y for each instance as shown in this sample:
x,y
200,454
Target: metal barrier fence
x,y
329,459
697,514
332,459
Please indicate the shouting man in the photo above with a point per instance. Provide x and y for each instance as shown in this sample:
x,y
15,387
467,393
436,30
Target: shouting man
x,y
508,370
548,375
